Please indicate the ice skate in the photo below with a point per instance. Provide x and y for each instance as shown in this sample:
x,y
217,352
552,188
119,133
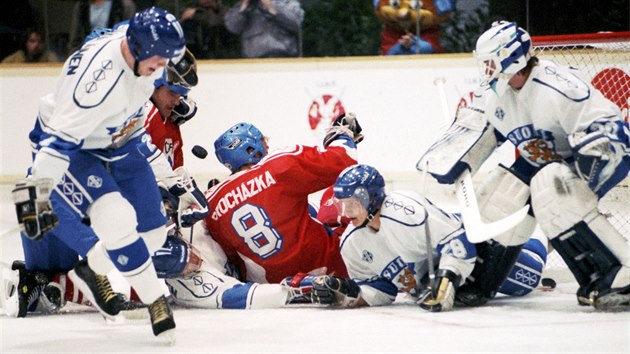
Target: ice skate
x,y
162,320
30,286
612,299
97,289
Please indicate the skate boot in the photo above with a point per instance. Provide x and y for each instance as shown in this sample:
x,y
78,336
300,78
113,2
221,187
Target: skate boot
x,y
162,320
611,299
97,289
30,286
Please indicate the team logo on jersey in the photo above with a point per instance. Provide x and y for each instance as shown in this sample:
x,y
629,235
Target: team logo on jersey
x,y
128,127
367,256
408,281
536,145
399,205
499,113
94,181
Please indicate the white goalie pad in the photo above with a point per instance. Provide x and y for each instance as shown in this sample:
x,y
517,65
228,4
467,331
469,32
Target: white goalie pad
x,y
466,144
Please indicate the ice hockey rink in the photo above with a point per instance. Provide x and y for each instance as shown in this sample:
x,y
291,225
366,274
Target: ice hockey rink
x,y
549,322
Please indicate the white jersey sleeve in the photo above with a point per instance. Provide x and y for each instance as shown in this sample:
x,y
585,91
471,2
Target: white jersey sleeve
x,y
395,258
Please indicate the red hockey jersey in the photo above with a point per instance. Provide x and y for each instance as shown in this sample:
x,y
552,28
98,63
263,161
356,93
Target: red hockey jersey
x,y
260,216
165,135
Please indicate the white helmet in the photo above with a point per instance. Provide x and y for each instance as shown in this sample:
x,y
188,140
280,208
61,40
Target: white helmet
x,y
501,52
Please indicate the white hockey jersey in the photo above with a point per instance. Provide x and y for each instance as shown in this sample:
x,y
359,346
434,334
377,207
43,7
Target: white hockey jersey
x,y
98,100
395,257
554,103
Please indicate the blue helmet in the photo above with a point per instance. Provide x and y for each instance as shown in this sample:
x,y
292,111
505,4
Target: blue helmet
x,y
155,31
181,88
242,144
364,183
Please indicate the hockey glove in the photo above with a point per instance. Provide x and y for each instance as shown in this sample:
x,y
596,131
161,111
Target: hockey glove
x,y
334,290
345,124
184,111
32,204
442,296
192,203
300,287
591,155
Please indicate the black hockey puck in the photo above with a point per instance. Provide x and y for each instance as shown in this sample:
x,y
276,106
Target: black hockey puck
x,y
548,283
199,152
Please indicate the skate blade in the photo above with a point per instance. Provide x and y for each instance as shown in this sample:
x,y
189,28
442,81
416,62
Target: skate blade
x,y
167,337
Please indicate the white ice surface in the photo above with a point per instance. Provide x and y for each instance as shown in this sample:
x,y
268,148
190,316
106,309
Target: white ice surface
x,y
550,322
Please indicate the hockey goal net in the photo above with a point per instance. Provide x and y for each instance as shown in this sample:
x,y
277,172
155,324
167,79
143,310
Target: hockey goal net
x,y
604,58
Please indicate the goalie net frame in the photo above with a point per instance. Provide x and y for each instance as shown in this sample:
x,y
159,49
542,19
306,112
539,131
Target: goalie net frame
x,y
604,58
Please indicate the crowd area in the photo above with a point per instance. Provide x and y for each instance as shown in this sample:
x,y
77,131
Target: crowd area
x,y
108,192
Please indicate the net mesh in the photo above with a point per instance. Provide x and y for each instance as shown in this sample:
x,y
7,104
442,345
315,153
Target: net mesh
x,y
605,60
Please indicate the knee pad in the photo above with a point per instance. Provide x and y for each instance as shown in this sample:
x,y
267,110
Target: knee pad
x,y
527,271
502,194
154,239
113,220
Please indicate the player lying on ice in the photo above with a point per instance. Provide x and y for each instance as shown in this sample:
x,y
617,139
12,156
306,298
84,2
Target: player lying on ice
x,y
573,146
386,246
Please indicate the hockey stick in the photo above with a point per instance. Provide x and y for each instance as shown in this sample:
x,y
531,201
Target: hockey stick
x,y
476,230
427,233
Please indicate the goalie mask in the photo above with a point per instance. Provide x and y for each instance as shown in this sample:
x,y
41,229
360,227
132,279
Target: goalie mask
x,y
501,52
240,145
359,186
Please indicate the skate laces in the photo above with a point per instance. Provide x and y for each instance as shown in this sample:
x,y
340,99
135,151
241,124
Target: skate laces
x,y
104,288
159,310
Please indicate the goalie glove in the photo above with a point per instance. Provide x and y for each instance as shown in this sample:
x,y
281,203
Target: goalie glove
x,y
334,290
184,111
442,296
591,155
347,125
32,205
192,203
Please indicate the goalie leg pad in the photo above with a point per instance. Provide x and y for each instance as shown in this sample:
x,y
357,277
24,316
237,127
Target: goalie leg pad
x,y
502,194
527,272
176,258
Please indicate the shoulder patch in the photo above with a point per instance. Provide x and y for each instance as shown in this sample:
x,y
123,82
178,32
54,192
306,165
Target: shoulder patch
x,y
97,80
563,82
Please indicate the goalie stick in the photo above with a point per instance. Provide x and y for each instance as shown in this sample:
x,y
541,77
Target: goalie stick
x,y
476,230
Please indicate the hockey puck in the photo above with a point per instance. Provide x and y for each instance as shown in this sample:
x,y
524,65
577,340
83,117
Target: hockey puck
x,y
199,152
548,283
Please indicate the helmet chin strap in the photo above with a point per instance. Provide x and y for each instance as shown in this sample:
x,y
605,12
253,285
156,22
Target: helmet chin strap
x,y
369,218
136,64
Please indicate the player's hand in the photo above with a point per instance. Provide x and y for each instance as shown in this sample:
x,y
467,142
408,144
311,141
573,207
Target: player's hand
x,y
441,297
334,290
33,208
591,155
300,287
184,111
345,124
192,203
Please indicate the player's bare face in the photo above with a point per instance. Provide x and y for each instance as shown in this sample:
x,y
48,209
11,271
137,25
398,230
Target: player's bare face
x,y
353,210
149,66
165,100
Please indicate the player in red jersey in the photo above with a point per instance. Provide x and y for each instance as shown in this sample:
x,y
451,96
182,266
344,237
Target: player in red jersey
x,y
169,108
260,214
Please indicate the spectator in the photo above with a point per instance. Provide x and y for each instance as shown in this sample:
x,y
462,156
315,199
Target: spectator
x,y
33,50
15,18
206,35
268,28
90,14
410,30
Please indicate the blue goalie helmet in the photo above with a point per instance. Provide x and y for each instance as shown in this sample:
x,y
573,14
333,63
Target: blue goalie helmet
x,y
181,88
155,31
501,52
364,183
242,144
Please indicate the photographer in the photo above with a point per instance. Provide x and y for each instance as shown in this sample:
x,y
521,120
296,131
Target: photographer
x,y
268,28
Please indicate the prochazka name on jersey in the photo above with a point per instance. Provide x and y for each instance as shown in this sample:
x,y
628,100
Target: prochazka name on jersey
x,y
241,193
